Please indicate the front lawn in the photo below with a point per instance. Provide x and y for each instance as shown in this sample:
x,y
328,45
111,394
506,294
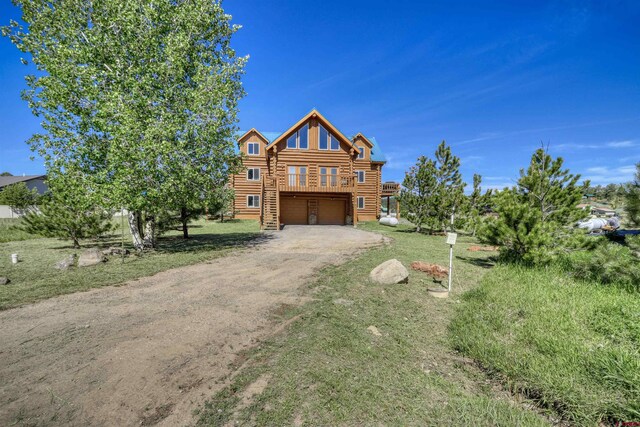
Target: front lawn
x,y
574,346
35,278
329,369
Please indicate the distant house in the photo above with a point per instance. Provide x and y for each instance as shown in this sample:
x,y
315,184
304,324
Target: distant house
x,y
31,181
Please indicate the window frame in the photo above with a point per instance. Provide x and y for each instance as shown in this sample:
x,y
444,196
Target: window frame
x,y
254,174
361,154
255,197
333,181
296,138
330,137
256,144
364,176
358,202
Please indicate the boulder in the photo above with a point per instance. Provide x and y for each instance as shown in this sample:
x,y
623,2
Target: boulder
x,y
4,280
91,256
69,261
389,273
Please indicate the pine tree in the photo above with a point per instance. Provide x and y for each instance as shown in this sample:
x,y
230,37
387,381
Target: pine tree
x,y
632,198
533,217
449,187
419,192
66,216
433,190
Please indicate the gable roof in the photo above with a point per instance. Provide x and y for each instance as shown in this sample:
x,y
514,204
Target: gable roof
x,y
376,152
8,180
314,114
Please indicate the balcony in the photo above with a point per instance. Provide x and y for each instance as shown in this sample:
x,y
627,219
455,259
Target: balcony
x,y
390,189
313,182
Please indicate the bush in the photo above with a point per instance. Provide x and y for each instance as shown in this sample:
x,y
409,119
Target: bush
x,y
609,263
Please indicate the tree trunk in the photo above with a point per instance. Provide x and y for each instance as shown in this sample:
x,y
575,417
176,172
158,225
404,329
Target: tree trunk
x,y
149,238
134,227
184,219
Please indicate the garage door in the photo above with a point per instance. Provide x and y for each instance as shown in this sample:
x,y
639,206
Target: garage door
x,y
293,210
331,212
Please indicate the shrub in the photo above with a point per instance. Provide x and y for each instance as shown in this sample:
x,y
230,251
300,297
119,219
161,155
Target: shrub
x,y
609,263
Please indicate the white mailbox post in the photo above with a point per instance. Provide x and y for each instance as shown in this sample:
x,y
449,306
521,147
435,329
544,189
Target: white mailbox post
x,y
451,240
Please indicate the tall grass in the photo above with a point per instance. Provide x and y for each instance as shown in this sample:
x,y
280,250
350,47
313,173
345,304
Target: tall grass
x,y
571,344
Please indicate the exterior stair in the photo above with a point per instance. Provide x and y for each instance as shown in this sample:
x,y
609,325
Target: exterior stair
x,y
270,195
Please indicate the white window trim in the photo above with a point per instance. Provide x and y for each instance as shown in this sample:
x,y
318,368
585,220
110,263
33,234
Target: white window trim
x,y
364,176
254,179
297,135
361,154
254,199
252,143
363,202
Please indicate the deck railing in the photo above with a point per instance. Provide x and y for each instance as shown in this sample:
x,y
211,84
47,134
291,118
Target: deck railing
x,y
390,188
312,182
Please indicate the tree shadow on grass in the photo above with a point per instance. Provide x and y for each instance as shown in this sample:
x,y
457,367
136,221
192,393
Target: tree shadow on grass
x,y
211,242
479,262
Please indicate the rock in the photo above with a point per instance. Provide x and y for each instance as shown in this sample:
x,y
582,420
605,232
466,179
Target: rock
x,y
91,256
374,331
4,280
389,273
434,270
113,250
342,301
69,261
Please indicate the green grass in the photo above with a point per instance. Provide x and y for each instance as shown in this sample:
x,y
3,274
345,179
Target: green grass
x,y
10,231
327,369
572,345
35,278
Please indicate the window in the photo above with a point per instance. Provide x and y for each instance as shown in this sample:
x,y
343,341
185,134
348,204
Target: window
x,y
328,176
335,144
361,155
253,174
327,141
360,202
253,201
253,148
300,139
323,144
360,175
297,176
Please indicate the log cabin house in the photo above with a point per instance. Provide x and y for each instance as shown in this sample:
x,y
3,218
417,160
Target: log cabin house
x,y
310,174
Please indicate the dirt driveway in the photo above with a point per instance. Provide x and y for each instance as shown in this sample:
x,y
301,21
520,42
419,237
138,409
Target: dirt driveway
x,y
153,350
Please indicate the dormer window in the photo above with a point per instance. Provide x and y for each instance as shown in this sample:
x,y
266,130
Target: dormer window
x,y
327,140
361,154
300,139
253,148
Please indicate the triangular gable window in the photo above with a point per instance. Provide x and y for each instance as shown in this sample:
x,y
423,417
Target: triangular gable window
x,y
327,141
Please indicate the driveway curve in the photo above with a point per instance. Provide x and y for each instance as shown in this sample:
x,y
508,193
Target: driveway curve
x,y
152,350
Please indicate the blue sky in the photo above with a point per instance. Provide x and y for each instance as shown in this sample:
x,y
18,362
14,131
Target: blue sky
x,y
494,79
